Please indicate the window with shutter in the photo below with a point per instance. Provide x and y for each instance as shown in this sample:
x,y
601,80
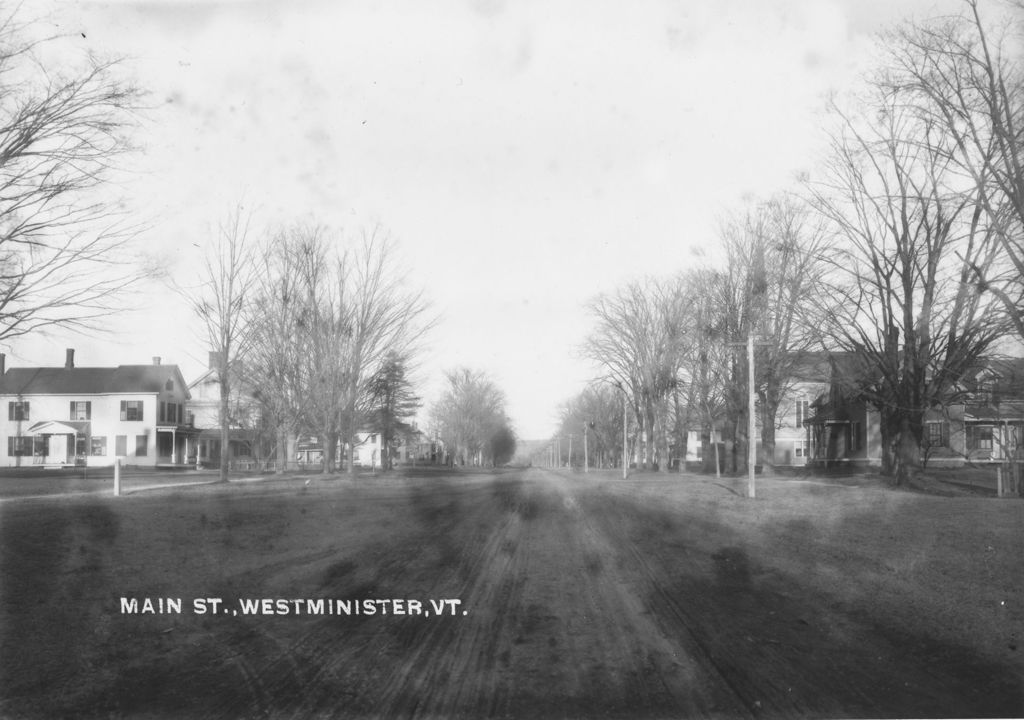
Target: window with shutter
x,y
17,410
80,410
131,410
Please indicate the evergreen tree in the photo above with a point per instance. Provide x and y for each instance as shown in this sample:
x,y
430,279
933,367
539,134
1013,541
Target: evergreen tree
x,y
392,405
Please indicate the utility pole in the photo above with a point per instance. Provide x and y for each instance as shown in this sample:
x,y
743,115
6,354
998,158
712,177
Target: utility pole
x,y
751,406
751,447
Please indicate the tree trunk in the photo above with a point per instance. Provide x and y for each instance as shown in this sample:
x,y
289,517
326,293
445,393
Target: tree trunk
x,y
282,451
682,434
909,447
325,443
665,460
768,413
649,437
887,434
225,429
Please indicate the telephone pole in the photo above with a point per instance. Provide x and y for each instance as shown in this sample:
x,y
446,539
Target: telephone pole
x,y
751,407
751,447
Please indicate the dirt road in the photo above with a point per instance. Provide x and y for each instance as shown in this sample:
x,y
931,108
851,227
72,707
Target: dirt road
x,y
579,598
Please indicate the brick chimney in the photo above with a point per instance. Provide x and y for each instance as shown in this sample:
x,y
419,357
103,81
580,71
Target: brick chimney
x,y
156,359
3,363
69,359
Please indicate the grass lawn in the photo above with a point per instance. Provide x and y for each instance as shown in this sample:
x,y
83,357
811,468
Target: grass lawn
x,y
939,576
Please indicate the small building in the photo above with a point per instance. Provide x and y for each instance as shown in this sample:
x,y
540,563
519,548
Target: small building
x,y
365,451
415,448
91,416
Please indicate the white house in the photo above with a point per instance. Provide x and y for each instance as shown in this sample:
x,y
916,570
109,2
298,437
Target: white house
x,y
243,416
807,379
63,416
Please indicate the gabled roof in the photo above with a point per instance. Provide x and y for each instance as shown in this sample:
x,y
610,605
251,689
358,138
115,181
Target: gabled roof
x,y
57,427
1005,375
239,380
90,381
810,366
1004,412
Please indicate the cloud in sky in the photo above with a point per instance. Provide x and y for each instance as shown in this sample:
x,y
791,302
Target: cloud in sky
x,y
526,155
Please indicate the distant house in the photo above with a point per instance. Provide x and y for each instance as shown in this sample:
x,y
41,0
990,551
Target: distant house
x,y
243,417
415,447
986,421
842,429
809,377
66,416
365,451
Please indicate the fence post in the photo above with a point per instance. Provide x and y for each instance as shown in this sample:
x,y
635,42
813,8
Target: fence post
x,y
999,480
117,477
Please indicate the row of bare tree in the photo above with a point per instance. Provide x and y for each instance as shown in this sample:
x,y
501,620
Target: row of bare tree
x,y
906,250
470,417
66,251
320,335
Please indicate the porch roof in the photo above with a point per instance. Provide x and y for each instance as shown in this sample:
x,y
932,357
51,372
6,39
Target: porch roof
x,y
1005,412
826,415
180,429
214,434
60,427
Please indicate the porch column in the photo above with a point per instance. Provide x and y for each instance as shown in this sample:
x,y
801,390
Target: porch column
x,y
174,445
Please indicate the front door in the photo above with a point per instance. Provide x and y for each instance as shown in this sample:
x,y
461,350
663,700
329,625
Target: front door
x,y
164,447
58,451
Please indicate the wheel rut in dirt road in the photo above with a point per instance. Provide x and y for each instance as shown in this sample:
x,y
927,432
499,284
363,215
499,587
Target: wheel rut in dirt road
x,y
786,648
555,628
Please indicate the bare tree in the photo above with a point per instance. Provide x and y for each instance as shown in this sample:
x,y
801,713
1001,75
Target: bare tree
x,y
229,279
639,342
469,413
969,81
775,266
65,254
329,320
908,235
387,317
706,364
276,362
597,410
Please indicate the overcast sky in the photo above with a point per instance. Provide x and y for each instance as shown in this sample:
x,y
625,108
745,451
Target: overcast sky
x,y
525,155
